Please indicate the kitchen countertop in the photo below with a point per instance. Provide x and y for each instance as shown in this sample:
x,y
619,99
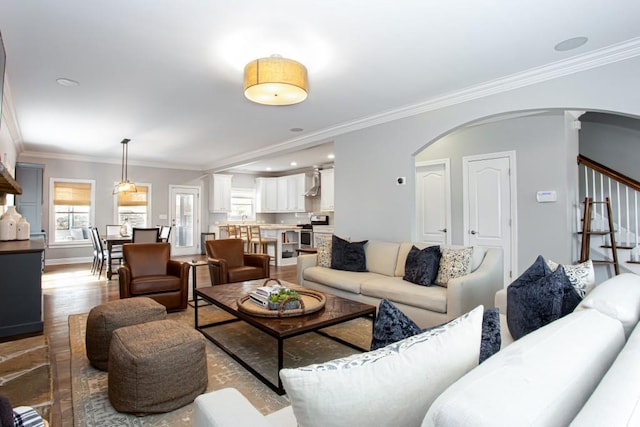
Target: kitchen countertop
x,y
269,226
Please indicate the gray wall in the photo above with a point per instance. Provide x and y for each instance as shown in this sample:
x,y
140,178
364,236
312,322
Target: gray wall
x,y
370,206
105,175
541,151
613,146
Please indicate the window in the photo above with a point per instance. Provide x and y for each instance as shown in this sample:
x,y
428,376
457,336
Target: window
x,y
134,207
242,204
71,210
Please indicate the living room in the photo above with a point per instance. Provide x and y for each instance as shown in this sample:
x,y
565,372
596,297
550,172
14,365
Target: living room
x,y
374,144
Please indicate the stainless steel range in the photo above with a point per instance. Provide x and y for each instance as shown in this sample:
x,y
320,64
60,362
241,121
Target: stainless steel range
x,y
319,224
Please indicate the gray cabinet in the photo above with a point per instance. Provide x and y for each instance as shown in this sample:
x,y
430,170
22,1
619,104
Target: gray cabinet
x,y
29,203
20,287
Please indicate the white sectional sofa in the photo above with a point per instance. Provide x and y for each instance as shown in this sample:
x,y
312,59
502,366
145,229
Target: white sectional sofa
x,y
425,305
581,370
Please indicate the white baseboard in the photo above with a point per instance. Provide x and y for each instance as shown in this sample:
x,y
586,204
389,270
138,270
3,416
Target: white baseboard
x,y
61,261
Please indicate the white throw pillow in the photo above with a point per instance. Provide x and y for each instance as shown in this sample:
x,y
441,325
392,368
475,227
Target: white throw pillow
x,y
581,276
394,385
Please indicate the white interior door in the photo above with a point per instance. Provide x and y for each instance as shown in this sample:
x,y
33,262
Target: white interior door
x,y
185,220
488,210
433,202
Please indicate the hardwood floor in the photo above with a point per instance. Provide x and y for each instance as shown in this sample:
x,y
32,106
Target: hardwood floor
x,y
72,289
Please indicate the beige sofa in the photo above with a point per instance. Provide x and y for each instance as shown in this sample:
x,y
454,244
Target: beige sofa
x,y
426,305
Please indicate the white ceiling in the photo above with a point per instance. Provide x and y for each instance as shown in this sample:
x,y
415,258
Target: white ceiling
x,y
168,74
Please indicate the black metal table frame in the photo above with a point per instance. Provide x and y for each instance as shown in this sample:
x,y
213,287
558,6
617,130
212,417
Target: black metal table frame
x,y
278,388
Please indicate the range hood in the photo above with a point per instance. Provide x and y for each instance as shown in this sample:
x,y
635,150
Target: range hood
x,y
315,188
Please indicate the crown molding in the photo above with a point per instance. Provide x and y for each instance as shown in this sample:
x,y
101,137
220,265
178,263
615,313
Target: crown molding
x,y
114,161
575,64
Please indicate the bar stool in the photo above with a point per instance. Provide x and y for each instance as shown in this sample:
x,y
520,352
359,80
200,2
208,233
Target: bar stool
x,y
232,231
243,233
257,241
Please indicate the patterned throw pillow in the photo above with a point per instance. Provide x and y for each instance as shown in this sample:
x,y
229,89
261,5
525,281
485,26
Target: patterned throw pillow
x,y
324,251
454,263
535,298
491,339
391,325
421,266
581,276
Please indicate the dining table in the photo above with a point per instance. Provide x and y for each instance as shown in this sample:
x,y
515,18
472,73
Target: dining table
x,y
110,241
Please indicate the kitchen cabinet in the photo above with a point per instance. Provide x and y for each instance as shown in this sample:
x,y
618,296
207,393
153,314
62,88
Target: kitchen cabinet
x,y
281,194
21,287
29,203
220,193
266,195
326,190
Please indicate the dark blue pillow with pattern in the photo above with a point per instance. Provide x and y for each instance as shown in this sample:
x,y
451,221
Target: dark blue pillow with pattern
x,y
346,255
422,266
535,299
391,325
491,339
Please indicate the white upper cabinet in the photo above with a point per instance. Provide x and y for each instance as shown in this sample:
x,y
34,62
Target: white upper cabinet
x,y
326,190
220,193
282,194
267,195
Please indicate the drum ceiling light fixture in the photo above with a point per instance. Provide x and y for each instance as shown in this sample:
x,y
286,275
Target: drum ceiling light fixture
x,y
275,81
125,186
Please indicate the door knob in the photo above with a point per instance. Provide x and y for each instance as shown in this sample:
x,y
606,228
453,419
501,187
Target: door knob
x,y
444,230
473,232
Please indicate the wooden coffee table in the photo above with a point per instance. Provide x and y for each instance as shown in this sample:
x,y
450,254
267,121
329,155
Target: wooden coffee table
x,y
336,310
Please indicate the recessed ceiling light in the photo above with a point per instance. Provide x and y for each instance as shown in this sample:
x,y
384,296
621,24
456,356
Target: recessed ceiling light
x,y
294,164
268,168
331,156
67,82
570,44
296,129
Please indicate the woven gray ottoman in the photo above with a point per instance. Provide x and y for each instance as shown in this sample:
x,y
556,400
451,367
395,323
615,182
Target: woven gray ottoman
x,y
156,367
106,318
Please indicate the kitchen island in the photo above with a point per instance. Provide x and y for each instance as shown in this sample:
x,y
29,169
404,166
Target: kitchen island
x,y
21,287
287,237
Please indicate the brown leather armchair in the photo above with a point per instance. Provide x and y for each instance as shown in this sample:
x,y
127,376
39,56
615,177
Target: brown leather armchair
x,y
229,263
148,271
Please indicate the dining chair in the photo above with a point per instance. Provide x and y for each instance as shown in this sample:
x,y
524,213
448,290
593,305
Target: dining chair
x,y
260,244
165,232
103,254
145,235
94,245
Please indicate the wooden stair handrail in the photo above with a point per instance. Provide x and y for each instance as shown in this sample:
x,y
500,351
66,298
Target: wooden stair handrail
x,y
629,182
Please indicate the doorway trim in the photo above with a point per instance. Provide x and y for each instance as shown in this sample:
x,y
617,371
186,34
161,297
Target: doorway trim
x,y
511,155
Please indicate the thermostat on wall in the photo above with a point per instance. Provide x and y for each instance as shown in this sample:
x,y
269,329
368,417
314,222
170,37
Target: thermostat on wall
x,y
547,196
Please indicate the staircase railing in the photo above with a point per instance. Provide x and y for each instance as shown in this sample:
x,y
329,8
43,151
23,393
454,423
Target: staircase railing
x,y
598,182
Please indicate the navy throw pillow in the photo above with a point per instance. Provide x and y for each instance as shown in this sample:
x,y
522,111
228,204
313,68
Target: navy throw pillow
x,y
491,338
347,255
535,298
391,325
422,266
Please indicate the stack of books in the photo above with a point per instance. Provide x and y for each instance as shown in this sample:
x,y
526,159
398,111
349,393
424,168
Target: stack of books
x,y
261,295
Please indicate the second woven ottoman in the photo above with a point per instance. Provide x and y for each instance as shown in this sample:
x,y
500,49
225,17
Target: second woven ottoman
x,y
106,318
156,367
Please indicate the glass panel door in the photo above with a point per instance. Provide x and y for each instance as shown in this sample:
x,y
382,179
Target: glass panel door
x,y
185,220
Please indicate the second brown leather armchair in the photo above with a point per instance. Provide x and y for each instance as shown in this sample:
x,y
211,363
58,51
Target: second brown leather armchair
x,y
229,263
148,271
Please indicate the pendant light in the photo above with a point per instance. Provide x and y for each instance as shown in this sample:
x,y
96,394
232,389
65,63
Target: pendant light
x,y
275,81
125,186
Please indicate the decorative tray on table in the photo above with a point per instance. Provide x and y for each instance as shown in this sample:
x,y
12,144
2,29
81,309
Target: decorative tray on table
x,y
278,301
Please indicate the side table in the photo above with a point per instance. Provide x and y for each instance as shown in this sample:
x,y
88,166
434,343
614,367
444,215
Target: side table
x,y
194,266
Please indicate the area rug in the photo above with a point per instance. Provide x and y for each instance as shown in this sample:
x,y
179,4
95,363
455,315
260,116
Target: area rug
x,y
91,405
25,373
